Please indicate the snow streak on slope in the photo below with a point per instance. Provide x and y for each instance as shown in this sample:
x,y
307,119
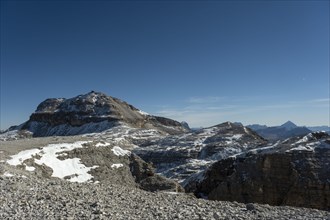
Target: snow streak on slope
x,y
119,151
181,156
70,168
309,143
143,113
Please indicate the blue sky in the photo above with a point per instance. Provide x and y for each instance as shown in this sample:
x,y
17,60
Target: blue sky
x,y
204,62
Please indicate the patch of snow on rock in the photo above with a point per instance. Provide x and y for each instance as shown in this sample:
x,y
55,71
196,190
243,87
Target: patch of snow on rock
x,y
102,144
72,167
29,168
19,158
301,148
117,165
119,151
305,139
233,138
143,113
6,174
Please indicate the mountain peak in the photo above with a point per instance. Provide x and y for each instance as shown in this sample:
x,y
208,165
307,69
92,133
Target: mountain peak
x,y
92,112
289,125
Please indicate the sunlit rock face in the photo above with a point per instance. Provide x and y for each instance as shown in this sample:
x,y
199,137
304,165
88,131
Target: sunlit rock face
x,y
92,112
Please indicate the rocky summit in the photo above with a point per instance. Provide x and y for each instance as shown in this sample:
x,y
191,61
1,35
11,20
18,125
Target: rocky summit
x,y
96,157
92,112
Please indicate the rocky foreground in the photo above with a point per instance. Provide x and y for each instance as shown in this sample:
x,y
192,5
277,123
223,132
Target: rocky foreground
x,y
24,196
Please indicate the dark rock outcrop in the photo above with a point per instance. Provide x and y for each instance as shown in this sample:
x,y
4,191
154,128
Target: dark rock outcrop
x,y
145,176
295,172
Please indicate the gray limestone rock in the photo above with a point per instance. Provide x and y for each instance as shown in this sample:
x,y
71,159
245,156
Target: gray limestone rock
x,y
294,172
92,112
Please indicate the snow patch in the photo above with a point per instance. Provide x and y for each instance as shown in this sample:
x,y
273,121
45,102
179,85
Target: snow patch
x,y
94,99
143,113
311,146
119,151
117,165
71,168
305,139
22,156
172,193
7,174
233,138
102,144
301,148
29,168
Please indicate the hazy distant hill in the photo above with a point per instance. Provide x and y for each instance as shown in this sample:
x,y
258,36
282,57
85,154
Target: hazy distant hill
x,y
256,127
320,128
286,130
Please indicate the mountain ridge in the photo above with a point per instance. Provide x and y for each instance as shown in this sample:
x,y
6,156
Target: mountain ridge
x,y
92,112
274,133
114,142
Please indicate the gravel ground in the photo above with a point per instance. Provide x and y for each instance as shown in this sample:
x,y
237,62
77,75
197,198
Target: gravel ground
x,y
13,147
25,196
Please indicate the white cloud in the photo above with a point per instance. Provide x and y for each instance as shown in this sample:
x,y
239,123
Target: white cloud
x,y
206,99
324,100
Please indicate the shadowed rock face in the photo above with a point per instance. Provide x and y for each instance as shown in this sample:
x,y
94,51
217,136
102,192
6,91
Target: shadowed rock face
x,y
295,172
148,180
92,112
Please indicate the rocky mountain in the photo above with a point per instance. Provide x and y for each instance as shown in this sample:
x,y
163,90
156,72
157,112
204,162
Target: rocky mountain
x,y
286,130
92,112
289,125
292,172
95,141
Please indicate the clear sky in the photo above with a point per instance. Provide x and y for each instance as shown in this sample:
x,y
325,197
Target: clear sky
x,y
204,62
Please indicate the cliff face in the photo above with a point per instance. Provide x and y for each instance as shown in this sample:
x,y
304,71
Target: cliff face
x,y
295,174
92,112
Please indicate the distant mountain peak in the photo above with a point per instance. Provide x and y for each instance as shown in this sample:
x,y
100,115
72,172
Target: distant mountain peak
x,y
289,125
